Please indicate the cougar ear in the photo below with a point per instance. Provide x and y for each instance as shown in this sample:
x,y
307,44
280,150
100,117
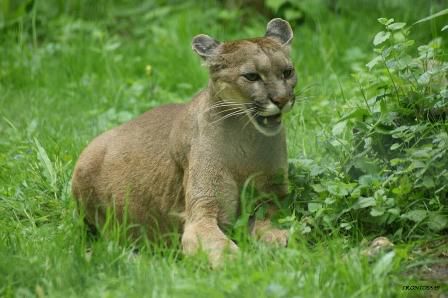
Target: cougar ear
x,y
204,45
280,30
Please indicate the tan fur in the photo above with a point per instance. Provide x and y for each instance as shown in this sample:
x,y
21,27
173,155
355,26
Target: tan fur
x,y
181,167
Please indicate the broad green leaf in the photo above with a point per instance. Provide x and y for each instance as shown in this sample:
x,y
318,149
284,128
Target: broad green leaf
x,y
428,182
382,21
437,222
339,189
444,28
396,161
424,152
390,202
399,37
433,16
394,211
356,193
346,225
318,188
338,128
316,170
415,215
396,26
395,146
424,79
329,200
425,52
313,207
367,165
405,186
369,180
404,62
306,229
417,164
385,21
374,62
381,37
364,202
377,211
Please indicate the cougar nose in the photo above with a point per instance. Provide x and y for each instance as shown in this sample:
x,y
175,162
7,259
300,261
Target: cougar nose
x,y
280,101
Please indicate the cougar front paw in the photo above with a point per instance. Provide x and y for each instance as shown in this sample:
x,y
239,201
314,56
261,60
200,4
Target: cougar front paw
x,y
275,237
265,232
216,246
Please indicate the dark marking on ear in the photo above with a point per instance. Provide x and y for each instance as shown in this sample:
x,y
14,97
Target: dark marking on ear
x,y
280,30
204,45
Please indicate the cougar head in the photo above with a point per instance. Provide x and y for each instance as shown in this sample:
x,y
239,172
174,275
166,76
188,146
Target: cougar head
x,y
253,75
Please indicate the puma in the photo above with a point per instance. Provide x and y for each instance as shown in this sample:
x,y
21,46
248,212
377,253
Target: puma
x,y
181,167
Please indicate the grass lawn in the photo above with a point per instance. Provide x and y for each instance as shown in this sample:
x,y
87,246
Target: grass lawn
x,y
70,70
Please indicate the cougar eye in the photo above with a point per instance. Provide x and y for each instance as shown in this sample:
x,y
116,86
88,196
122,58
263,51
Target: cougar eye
x,y
252,76
287,73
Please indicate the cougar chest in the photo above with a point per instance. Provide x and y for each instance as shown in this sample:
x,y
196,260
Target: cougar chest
x,y
250,155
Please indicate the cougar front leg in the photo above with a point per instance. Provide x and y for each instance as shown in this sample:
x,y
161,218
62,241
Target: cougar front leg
x,y
211,198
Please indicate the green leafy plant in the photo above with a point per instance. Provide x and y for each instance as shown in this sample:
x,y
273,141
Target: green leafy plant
x,y
394,176
403,130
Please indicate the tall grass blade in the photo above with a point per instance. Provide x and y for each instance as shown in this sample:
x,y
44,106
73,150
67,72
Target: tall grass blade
x,y
45,162
433,16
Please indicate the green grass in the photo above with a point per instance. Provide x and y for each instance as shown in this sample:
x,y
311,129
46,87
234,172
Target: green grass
x,y
57,264
74,72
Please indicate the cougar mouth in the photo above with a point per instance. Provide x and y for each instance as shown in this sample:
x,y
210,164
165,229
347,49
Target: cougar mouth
x,y
267,125
269,121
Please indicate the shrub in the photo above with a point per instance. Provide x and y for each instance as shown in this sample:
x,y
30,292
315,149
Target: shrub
x,y
394,175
